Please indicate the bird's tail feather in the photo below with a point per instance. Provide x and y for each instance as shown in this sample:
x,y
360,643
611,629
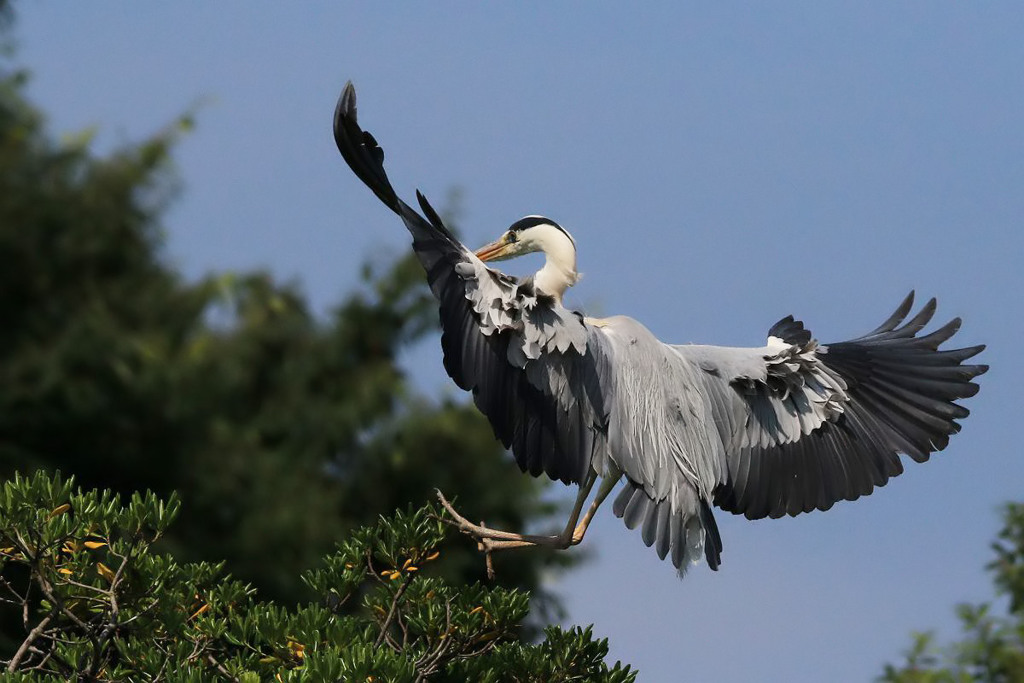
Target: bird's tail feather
x,y
688,534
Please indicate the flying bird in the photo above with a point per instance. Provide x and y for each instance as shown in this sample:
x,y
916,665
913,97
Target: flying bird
x,y
785,428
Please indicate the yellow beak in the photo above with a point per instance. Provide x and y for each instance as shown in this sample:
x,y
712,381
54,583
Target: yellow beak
x,y
496,250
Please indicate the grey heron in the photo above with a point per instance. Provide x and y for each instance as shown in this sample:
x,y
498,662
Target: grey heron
x,y
789,427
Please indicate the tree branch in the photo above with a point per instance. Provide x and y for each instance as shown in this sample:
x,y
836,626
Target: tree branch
x,y
391,612
29,639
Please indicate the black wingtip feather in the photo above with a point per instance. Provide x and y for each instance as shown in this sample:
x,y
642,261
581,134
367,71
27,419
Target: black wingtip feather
x,y
896,318
360,150
432,215
971,352
933,340
905,382
917,323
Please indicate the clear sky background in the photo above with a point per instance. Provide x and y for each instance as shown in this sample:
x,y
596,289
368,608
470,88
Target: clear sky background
x,y
720,166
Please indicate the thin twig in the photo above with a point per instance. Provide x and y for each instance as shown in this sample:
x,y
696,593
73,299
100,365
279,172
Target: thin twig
x,y
29,639
117,576
24,604
86,586
392,643
405,630
6,584
224,672
66,669
59,603
112,625
391,612
428,663
163,667
373,570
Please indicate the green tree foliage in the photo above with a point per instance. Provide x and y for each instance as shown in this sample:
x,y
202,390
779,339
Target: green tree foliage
x,y
991,649
282,430
99,604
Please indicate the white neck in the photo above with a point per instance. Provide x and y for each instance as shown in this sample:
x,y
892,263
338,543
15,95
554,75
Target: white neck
x,y
559,271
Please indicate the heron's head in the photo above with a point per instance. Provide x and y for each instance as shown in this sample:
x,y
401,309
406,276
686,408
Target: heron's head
x,y
537,233
529,235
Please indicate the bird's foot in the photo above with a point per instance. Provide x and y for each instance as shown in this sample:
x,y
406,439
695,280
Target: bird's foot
x,y
479,531
489,540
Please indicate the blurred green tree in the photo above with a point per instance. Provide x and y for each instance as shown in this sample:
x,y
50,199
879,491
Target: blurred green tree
x,y
991,649
281,430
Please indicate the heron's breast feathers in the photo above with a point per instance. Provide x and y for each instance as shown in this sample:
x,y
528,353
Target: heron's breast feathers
x,y
536,324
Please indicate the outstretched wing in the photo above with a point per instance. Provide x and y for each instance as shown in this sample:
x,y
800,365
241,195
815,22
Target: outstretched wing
x,y
536,370
804,425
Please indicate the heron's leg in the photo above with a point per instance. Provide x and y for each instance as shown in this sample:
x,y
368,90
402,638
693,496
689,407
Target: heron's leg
x,y
606,487
493,539
570,536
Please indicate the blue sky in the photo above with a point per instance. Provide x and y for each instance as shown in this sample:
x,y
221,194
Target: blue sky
x,y
720,166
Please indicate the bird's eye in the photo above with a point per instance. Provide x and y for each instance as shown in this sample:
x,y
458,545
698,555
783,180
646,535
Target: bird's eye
x,y
513,237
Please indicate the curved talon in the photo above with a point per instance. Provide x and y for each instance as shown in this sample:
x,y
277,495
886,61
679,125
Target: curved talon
x,y
459,520
488,564
490,540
